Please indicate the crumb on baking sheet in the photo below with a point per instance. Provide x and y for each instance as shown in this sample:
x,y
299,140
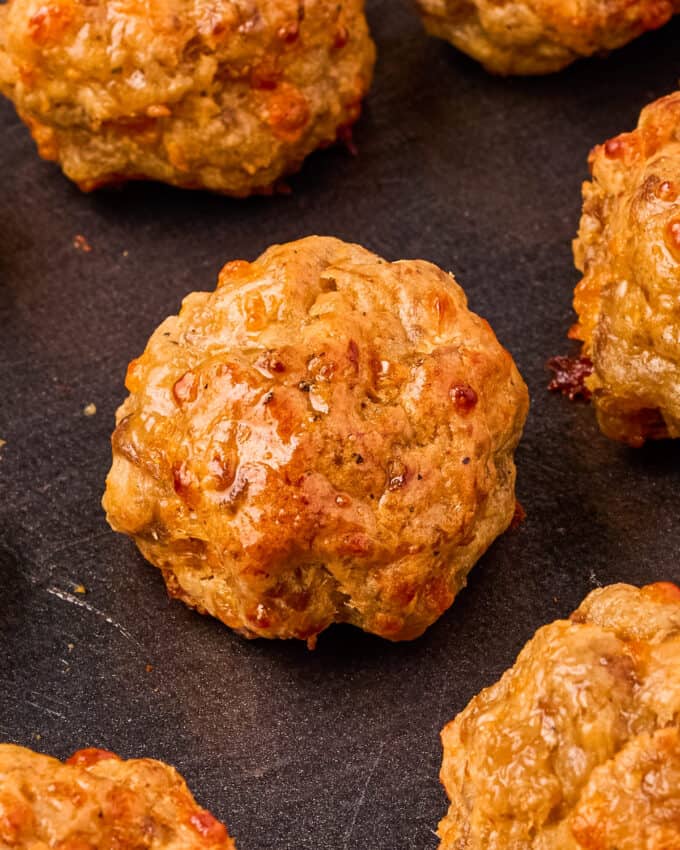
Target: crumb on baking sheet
x,y
90,409
569,376
518,517
3,443
149,668
346,138
80,243
80,588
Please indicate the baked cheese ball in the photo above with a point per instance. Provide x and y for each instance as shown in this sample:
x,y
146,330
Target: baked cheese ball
x,y
327,437
577,747
628,249
227,95
541,36
96,800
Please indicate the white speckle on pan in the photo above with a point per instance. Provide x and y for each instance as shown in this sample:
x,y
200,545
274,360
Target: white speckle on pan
x,y
362,797
80,603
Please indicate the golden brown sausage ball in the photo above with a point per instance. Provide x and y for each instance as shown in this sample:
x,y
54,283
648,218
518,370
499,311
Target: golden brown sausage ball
x,y
96,800
540,36
628,249
577,747
226,95
327,437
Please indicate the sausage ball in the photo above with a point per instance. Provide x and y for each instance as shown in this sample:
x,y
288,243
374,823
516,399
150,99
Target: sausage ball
x,y
540,36
628,249
327,437
577,747
226,95
96,800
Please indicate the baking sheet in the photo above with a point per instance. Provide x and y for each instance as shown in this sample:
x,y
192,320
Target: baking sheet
x,y
336,748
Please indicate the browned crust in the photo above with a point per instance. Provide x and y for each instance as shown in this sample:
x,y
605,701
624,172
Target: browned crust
x,y
541,36
577,747
97,800
228,97
332,441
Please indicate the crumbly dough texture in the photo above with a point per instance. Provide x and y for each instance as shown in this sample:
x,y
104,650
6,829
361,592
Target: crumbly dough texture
x,y
96,800
628,249
577,747
541,36
226,95
327,437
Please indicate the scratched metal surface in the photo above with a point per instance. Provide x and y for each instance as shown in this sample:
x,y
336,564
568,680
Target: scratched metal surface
x,y
338,748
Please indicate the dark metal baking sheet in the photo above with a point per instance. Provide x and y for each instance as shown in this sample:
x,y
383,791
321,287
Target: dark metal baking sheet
x,y
337,748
